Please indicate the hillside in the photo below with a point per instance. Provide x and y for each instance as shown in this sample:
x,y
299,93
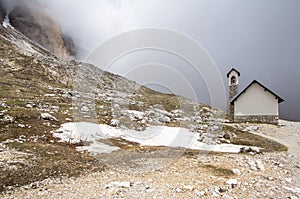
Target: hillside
x,y
34,83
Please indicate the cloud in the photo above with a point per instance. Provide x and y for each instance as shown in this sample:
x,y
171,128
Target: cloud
x,y
90,22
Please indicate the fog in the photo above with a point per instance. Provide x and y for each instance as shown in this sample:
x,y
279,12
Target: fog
x,y
259,38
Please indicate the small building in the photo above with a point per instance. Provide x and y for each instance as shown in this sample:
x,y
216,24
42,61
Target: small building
x,y
256,103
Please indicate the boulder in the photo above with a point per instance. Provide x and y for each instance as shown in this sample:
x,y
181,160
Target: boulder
x,y
164,119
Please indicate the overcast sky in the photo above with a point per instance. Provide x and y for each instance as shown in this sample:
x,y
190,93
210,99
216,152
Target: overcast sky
x,y
260,38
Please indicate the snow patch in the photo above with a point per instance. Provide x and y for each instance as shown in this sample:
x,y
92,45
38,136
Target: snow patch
x,y
152,136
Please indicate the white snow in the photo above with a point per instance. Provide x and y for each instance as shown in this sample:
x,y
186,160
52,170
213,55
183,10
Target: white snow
x,y
151,136
98,147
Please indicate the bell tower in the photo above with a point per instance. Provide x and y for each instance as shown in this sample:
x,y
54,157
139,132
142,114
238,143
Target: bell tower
x,y
233,82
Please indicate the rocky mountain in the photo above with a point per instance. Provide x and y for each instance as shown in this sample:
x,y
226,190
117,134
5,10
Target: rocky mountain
x,y
37,26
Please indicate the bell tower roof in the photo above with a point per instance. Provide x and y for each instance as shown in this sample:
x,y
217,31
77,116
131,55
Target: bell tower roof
x,y
233,69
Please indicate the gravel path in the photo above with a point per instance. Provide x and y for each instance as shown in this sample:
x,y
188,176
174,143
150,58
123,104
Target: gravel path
x,y
288,134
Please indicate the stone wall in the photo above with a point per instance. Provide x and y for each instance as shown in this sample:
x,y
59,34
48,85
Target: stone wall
x,y
268,119
233,89
231,112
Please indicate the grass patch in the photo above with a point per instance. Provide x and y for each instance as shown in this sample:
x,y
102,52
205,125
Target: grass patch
x,y
218,171
48,160
132,146
246,138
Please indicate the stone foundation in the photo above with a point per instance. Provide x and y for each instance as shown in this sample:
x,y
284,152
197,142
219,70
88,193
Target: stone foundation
x,y
268,119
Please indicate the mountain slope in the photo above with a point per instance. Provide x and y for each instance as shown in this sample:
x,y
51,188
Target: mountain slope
x,y
39,92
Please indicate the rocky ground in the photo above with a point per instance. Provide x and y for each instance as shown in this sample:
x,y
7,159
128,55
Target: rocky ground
x,y
178,173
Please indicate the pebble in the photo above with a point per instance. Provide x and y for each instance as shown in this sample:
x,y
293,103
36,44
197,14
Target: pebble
x,y
21,125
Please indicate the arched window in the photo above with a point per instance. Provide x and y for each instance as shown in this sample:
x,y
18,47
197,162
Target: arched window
x,y
233,80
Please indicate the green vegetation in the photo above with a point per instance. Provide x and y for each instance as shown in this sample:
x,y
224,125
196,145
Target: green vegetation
x,y
246,138
217,170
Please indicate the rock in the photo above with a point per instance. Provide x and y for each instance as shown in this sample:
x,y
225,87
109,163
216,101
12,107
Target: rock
x,y
226,136
119,184
33,23
232,182
164,119
219,190
288,180
4,105
21,125
47,116
223,140
260,165
200,193
270,178
114,122
30,105
236,171
135,115
188,187
49,95
8,119
251,128
149,190
252,165
105,113
253,150
178,190
85,109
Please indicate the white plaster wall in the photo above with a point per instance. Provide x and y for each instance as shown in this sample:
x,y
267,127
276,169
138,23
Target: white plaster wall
x,y
256,101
